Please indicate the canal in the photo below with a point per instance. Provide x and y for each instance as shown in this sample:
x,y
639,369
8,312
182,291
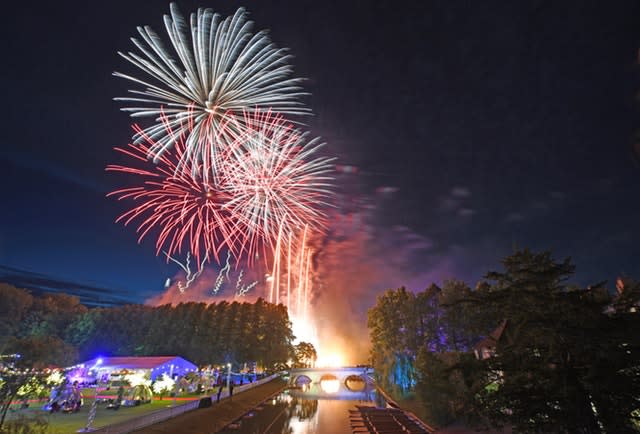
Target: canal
x,y
311,408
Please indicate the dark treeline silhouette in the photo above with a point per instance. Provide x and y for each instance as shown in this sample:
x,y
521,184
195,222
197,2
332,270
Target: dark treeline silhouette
x,y
55,329
524,349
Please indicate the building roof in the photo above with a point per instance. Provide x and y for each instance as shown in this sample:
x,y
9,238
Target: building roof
x,y
492,340
135,362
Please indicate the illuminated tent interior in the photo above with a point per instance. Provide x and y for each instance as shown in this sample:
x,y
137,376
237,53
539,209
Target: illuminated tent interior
x,y
155,366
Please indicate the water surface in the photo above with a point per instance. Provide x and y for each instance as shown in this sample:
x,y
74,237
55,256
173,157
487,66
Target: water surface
x,y
309,410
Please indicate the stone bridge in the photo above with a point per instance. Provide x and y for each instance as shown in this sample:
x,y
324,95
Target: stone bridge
x,y
315,375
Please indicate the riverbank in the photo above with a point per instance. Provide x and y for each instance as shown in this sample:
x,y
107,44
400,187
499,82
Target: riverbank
x,y
213,419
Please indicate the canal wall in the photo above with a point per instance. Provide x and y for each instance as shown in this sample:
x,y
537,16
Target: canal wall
x,y
392,403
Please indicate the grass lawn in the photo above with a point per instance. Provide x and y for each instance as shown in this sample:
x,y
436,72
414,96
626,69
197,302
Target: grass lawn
x,y
63,423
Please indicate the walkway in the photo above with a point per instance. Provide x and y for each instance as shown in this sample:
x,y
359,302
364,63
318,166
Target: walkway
x,y
219,415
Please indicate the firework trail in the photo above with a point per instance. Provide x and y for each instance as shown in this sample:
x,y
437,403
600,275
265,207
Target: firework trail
x,y
224,272
190,276
242,290
217,70
291,281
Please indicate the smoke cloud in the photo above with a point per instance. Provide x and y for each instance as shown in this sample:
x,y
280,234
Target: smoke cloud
x,y
357,263
353,263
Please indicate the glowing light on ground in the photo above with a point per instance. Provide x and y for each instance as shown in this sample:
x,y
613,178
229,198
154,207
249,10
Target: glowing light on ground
x,y
137,379
331,360
164,385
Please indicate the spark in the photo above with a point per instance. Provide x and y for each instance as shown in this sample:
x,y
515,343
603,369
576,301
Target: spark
x,y
190,277
242,290
223,275
224,272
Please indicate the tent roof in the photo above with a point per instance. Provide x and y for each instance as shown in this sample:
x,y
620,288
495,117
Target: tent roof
x,y
135,362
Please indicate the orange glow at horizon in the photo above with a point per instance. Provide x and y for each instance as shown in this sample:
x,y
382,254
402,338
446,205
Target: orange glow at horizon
x,y
330,360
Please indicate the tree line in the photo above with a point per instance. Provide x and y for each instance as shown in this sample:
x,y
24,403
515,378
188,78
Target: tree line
x,y
55,329
524,348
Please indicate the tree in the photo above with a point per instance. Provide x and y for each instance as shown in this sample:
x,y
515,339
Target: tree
x,y
447,385
16,382
612,379
41,352
304,355
165,384
559,354
277,336
457,327
393,328
14,305
80,330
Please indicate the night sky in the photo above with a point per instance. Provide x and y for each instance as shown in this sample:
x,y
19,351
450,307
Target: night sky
x,y
475,128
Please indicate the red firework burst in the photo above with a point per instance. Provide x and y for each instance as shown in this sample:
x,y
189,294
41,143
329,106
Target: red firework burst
x,y
268,183
183,206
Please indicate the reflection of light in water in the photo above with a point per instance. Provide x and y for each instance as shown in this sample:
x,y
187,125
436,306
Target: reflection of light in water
x,y
308,426
330,385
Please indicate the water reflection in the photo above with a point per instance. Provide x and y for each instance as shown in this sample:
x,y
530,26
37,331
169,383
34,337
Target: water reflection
x,y
336,390
308,409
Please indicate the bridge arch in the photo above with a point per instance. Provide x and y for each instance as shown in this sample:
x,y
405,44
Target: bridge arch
x,y
355,383
301,379
328,377
354,374
329,383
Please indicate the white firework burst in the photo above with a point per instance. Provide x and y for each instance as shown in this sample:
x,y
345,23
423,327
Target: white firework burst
x,y
218,69
275,180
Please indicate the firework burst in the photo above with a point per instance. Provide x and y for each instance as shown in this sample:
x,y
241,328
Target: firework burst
x,y
270,184
184,209
275,181
221,70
